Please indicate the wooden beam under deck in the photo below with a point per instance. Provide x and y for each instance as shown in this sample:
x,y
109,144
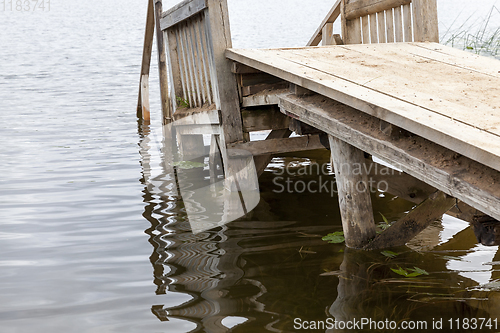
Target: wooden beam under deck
x,y
452,173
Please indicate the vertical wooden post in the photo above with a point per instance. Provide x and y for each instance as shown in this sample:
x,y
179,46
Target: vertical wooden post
x,y
425,21
162,65
226,86
351,29
142,105
327,35
354,193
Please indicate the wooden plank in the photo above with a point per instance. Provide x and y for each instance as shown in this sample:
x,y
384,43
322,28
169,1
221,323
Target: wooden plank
x,y
354,32
389,23
353,192
256,88
407,25
198,56
264,119
146,53
203,44
409,226
193,92
238,68
283,145
184,67
365,27
398,24
267,97
174,54
425,21
367,7
373,29
476,144
181,12
162,66
381,27
225,82
455,175
327,35
145,112
332,15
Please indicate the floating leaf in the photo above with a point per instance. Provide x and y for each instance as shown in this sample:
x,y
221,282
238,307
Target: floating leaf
x,y
390,254
188,165
416,272
335,238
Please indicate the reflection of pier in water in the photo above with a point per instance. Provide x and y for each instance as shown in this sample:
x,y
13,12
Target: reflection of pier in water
x,y
264,271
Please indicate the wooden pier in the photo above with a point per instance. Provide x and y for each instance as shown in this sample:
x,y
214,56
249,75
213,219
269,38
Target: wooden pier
x,y
384,88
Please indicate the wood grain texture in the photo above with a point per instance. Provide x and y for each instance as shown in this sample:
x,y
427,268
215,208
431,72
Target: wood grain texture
x,y
425,21
146,53
166,105
181,12
281,145
441,108
353,192
366,7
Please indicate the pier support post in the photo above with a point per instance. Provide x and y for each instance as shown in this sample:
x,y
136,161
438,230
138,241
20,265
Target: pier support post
x,y
166,107
354,193
143,102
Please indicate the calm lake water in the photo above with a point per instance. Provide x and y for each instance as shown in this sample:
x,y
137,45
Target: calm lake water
x,y
89,246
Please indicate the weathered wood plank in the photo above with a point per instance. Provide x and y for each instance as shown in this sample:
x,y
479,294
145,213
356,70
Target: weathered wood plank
x,y
398,24
332,15
327,35
407,25
353,192
381,27
365,27
225,83
409,226
389,23
283,145
353,33
264,119
267,97
373,29
181,12
256,88
146,53
166,105
445,130
425,21
455,175
367,7
145,111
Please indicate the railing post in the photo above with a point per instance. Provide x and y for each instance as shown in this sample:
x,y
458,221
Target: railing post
x,y
143,102
425,21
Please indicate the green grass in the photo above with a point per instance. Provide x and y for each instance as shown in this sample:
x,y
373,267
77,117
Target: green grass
x,y
480,37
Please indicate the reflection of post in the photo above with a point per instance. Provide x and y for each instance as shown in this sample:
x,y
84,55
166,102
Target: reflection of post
x,y
353,284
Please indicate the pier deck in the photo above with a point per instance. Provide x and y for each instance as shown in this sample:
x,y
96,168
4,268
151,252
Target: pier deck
x,y
447,96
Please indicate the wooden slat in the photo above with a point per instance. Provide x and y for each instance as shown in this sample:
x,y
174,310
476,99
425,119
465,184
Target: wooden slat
x,y
194,92
275,146
373,29
332,15
448,132
353,32
365,27
425,21
366,7
203,44
263,98
398,24
146,52
264,119
194,61
181,12
381,27
175,74
198,56
389,23
407,25
463,179
184,70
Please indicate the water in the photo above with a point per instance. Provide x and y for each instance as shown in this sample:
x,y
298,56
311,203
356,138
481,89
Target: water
x,y
87,246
